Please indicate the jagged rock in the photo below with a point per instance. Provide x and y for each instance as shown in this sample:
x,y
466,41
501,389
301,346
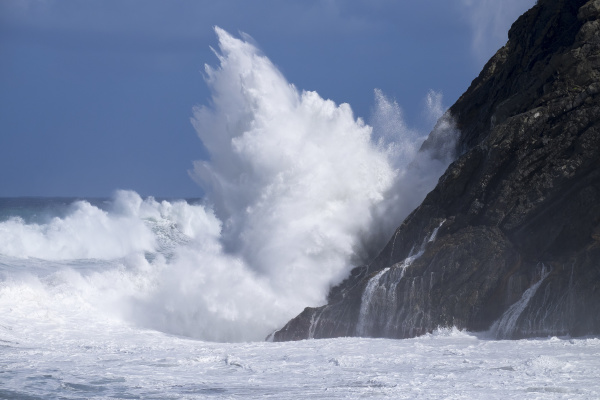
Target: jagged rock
x,y
518,248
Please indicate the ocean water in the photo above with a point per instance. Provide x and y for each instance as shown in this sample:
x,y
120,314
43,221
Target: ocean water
x,y
53,348
139,298
87,316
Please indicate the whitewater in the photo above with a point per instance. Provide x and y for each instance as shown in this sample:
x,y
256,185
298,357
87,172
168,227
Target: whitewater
x,y
132,297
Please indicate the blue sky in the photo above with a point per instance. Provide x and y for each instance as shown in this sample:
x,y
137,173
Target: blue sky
x,y
97,95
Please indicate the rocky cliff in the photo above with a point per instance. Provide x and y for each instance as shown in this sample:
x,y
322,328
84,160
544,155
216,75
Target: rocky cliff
x,y
509,240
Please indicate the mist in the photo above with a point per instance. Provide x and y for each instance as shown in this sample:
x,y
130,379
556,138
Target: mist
x,y
299,191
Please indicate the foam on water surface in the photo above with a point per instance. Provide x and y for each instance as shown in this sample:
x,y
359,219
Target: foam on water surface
x,y
43,356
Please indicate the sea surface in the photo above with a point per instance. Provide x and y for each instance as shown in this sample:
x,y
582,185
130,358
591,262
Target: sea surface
x,y
143,298
84,314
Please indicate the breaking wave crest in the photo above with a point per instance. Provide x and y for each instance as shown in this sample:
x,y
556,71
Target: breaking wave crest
x,y
298,191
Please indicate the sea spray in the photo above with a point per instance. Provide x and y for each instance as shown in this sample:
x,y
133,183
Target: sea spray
x,y
417,159
85,232
298,189
292,176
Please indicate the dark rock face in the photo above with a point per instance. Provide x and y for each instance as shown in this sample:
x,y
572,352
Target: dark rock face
x,y
509,240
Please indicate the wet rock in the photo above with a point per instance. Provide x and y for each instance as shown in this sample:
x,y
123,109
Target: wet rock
x,y
519,241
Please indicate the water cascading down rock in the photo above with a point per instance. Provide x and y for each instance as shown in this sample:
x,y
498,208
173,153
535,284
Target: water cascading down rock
x,y
517,252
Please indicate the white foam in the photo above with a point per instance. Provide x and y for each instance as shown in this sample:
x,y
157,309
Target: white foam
x,y
300,189
86,232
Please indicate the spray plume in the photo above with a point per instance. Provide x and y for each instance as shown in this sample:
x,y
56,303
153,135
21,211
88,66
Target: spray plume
x,y
298,191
